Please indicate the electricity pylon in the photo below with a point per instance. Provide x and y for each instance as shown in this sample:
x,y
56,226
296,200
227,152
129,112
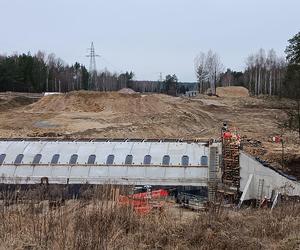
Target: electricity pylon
x,y
92,70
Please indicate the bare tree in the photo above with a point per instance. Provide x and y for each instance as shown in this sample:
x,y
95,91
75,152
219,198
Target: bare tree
x,y
208,68
265,73
271,66
201,71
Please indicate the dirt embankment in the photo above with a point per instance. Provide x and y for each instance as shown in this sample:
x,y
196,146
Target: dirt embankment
x,y
234,91
11,102
87,101
133,115
111,114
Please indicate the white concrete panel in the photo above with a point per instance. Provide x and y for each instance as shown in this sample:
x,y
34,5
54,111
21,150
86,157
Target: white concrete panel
x,y
66,150
79,172
7,170
3,146
176,172
84,151
139,150
24,171
42,171
60,171
176,151
156,172
196,172
119,171
121,150
136,171
103,149
195,151
50,149
98,171
14,149
272,180
157,151
31,150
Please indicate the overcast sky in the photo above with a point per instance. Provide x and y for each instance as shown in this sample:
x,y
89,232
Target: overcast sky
x,y
148,36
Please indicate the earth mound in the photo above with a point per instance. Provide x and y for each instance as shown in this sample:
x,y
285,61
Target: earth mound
x,y
14,102
112,102
233,91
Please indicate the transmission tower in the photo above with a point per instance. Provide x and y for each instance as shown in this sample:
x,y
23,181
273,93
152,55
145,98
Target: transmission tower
x,y
92,70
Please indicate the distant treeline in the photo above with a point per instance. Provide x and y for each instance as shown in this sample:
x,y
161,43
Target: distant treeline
x,y
264,74
47,73
40,73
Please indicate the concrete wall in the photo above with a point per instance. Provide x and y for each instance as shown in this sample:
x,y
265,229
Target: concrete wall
x,y
123,175
271,179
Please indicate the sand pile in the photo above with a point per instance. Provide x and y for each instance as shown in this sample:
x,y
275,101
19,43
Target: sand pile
x,y
71,102
113,102
234,91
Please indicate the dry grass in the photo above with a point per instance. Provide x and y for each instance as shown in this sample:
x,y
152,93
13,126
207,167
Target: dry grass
x,y
101,224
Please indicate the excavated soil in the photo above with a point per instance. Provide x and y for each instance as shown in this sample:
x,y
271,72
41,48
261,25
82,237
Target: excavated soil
x,y
11,102
84,114
84,101
234,91
113,114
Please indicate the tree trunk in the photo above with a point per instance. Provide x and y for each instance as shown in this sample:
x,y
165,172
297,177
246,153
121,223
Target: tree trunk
x,y
270,83
259,81
250,80
298,113
256,75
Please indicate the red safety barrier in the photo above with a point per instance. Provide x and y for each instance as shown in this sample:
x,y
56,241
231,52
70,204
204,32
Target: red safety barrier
x,y
142,203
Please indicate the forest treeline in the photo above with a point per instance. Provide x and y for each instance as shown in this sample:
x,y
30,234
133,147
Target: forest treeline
x,y
47,73
265,73
40,73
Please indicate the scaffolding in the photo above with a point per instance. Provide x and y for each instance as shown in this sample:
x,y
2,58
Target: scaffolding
x,y
230,165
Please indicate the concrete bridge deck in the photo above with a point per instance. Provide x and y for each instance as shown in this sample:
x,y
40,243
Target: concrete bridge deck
x,y
138,162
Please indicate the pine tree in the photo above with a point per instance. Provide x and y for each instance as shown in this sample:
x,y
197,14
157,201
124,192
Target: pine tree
x,y
292,81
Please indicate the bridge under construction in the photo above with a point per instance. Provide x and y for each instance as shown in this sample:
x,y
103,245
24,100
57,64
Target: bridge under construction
x,y
102,161
159,162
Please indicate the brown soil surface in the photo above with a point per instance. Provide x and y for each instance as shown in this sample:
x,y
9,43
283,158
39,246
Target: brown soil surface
x,y
112,114
116,115
10,102
234,91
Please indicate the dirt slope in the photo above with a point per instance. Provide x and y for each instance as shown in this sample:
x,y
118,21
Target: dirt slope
x,y
233,91
110,114
116,115
11,102
113,114
85,101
